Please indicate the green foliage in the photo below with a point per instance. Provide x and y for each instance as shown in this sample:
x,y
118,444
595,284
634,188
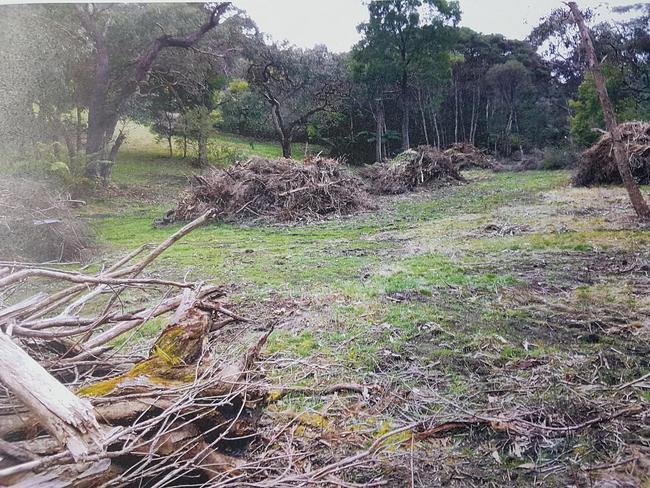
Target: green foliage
x,y
588,113
224,155
399,43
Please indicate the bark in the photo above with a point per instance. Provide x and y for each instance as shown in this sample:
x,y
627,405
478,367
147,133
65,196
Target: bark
x,y
622,161
68,418
104,106
406,142
286,147
379,132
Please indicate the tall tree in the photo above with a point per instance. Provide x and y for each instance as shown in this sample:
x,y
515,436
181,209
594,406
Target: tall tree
x,y
116,79
510,81
407,37
296,84
623,163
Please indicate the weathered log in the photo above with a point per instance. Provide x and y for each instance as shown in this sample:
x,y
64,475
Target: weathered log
x,y
68,418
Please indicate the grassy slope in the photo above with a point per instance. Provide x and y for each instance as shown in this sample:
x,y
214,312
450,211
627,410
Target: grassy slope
x,y
144,160
453,300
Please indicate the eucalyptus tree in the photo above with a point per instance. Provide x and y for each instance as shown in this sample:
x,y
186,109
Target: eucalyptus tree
x,y
407,39
511,82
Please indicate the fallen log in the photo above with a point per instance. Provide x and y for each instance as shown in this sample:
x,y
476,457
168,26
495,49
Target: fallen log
x,y
166,417
68,418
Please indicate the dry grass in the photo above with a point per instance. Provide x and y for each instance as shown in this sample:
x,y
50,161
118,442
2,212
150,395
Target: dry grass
x,y
37,224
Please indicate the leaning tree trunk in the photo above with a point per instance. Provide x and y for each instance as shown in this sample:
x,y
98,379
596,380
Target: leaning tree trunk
x,y
622,161
119,140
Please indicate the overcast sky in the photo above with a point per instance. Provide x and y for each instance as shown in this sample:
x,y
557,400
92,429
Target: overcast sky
x,y
333,22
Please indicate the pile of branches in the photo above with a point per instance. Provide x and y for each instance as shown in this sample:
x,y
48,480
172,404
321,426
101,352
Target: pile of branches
x,y
422,167
37,224
466,156
278,190
597,165
78,412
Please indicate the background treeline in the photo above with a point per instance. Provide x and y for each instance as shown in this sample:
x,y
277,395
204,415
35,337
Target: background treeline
x,y
72,75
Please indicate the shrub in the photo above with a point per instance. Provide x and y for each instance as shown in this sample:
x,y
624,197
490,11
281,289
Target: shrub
x,y
559,157
223,155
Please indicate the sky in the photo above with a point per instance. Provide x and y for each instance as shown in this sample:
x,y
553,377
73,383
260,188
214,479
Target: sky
x,y
333,22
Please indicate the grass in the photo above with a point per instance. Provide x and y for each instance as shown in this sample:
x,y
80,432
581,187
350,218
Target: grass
x,y
145,160
420,297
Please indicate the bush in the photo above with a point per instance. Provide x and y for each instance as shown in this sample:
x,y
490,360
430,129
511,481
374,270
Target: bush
x,y
559,157
223,155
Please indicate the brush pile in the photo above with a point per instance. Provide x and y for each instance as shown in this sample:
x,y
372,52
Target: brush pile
x,y
37,224
278,190
597,165
422,167
79,412
466,156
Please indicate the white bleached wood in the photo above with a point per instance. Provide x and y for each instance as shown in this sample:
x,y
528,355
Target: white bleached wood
x,y
68,418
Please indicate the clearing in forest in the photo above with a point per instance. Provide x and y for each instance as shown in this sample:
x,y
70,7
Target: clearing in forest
x,y
510,313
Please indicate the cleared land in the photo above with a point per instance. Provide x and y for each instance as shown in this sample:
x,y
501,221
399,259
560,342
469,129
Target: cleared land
x,y
514,298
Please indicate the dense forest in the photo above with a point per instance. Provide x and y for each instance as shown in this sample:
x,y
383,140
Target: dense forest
x,y
414,78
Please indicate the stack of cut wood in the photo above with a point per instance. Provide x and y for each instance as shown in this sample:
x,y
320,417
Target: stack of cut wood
x,y
597,165
466,156
79,412
423,167
278,190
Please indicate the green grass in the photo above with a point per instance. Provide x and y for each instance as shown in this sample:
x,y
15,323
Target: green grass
x,y
144,159
416,295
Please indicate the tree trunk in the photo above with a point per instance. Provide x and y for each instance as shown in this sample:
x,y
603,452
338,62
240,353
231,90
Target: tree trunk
x,y
406,142
622,161
170,133
521,147
286,147
68,418
379,133
424,119
202,142
435,126
455,111
119,140
102,108
79,129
